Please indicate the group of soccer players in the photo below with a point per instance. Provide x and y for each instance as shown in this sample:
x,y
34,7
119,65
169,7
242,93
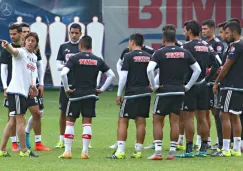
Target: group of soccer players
x,y
188,79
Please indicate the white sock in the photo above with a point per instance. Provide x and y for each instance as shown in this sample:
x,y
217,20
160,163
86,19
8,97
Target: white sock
x,y
69,135
87,135
29,125
173,146
199,140
226,144
41,113
158,145
209,140
14,139
121,146
241,144
217,140
181,140
62,138
237,142
138,147
38,138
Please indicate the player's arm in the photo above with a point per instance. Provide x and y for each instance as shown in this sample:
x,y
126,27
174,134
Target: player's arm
x,y
157,76
150,71
10,48
33,91
60,60
226,67
41,77
196,71
4,77
119,66
109,74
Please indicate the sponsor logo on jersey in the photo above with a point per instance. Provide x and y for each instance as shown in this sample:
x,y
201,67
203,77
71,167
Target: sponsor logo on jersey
x,y
219,48
201,48
68,55
141,59
232,49
87,62
175,54
31,67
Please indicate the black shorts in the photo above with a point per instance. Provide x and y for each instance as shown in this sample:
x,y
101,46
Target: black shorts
x,y
196,98
135,107
165,105
5,103
17,104
63,100
35,101
212,98
85,106
231,101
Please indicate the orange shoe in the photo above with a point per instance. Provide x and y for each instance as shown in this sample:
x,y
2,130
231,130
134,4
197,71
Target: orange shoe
x,y
84,156
15,147
65,156
40,147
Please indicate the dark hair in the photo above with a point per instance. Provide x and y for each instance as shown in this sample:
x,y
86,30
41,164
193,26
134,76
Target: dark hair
x,y
194,26
23,25
210,23
169,35
33,34
13,27
222,24
86,42
234,19
169,27
233,26
76,26
137,38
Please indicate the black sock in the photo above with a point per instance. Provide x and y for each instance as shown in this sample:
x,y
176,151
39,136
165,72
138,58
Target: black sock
x,y
189,147
204,146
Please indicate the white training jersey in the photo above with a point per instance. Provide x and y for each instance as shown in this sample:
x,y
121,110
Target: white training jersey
x,y
24,72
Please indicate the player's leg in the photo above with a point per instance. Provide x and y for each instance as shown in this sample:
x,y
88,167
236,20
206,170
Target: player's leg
x,y
6,135
237,130
208,119
180,143
123,120
241,120
63,101
199,140
142,112
73,112
88,112
36,123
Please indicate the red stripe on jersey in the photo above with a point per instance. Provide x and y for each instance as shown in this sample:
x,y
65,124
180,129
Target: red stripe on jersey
x,y
87,136
69,136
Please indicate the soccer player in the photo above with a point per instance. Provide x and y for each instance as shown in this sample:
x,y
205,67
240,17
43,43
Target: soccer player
x,y
136,101
66,50
231,92
35,105
83,96
147,49
171,89
196,98
21,85
6,74
208,29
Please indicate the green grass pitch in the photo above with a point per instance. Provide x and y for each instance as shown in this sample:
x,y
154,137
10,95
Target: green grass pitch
x,y
104,134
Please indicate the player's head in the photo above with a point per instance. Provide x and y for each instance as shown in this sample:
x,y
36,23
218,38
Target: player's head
x,y
222,30
168,27
169,36
85,43
208,28
31,41
232,31
234,19
75,32
24,29
14,33
191,29
136,40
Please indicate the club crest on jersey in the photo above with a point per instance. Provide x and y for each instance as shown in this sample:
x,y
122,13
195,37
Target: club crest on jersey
x,y
68,55
31,67
87,62
201,48
174,54
66,50
219,48
141,59
232,49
